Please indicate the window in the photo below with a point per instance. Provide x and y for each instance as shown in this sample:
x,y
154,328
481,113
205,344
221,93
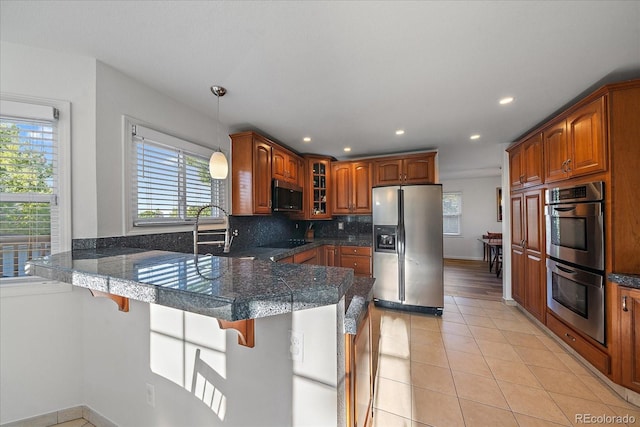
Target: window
x,y
34,218
452,214
171,180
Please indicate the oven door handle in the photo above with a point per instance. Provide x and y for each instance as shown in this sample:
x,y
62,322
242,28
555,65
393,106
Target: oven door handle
x,y
565,269
567,209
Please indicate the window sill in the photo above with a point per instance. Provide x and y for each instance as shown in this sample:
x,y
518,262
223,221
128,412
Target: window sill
x,y
32,286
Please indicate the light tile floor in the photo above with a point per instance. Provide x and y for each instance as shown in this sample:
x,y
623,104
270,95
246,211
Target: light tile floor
x,y
79,422
482,364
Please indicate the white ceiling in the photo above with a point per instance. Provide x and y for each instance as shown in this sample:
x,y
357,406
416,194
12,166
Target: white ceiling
x,y
351,73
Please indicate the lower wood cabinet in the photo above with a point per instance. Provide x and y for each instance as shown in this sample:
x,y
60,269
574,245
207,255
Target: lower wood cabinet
x,y
309,256
359,374
330,256
629,318
287,260
358,258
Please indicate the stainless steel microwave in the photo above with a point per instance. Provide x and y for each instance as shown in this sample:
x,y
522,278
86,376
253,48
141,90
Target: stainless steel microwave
x,y
286,197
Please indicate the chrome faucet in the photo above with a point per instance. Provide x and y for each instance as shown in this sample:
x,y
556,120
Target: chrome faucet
x,y
228,234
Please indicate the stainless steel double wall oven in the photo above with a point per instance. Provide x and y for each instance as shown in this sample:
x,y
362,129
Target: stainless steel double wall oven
x,y
575,250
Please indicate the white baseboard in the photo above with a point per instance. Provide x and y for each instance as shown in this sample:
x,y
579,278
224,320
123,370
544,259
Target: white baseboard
x,y
63,416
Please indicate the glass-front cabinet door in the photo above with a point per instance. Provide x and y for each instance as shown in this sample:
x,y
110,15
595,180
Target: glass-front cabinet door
x,y
320,197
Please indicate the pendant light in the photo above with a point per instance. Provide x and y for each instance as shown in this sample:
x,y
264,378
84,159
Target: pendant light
x,y
218,165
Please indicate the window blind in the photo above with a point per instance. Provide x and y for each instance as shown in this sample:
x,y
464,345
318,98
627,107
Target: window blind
x,y
171,180
452,213
29,216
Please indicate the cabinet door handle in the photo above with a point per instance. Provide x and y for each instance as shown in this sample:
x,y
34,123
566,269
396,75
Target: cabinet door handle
x,y
570,337
624,304
568,167
355,264
269,203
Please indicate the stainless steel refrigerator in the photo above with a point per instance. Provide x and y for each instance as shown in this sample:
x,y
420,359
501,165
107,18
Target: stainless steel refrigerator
x,y
407,257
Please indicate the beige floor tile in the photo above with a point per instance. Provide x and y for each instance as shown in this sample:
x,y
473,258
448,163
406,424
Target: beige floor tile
x,y
394,346
396,325
477,414
574,408
527,421
493,305
70,414
470,309
551,344
426,322
513,372
562,382
468,362
515,326
448,316
604,392
386,419
477,320
79,422
393,397
432,377
468,301
532,401
574,365
451,308
432,355
436,409
500,314
487,334
479,389
447,327
425,337
394,368
524,340
498,350
630,416
536,357
460,343
448,299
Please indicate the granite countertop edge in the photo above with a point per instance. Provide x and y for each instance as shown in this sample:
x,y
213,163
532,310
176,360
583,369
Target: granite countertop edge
x,y
358,298
623,279
276,254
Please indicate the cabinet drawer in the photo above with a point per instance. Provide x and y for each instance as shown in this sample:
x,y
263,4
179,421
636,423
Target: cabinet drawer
x,y
355,250
361,264
597,358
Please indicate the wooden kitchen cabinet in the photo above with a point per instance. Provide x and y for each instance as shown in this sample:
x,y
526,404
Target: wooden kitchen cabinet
x,y
405,170
330,256
525,163
358,258
629,318
317,188
528,279
576,145
251,174
359,374
309,256
351,188
285,165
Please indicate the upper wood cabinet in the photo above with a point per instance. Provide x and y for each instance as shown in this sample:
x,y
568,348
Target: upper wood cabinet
x,y
285,165
317,188
351,187
576,146
405,170
250,174
525,163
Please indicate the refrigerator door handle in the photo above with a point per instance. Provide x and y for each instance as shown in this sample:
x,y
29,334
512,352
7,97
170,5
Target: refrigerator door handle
x,y
401,245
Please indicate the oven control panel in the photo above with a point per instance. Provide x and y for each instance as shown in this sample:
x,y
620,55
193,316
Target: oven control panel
x,y
591,192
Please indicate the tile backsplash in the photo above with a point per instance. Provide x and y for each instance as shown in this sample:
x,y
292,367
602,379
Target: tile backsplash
x,y
252,231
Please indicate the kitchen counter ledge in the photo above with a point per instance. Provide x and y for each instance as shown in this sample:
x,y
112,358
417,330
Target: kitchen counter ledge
x,y
628,280
226,288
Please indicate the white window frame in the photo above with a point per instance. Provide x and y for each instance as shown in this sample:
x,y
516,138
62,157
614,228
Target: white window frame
x,y
169,139
459,216
12,287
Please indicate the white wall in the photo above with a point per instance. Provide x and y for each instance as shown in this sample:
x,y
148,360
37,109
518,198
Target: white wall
x,y
478,215
118,95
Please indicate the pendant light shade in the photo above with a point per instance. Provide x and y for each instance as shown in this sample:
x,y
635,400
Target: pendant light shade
x,y
218,165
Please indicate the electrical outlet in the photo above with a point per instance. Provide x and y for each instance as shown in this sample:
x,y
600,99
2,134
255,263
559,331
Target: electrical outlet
x,y
296,347
151,395
340,225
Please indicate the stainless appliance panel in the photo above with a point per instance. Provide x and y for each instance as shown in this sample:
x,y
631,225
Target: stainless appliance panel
x,y
423,245
577,297
385,205
385,264
385,270
575,233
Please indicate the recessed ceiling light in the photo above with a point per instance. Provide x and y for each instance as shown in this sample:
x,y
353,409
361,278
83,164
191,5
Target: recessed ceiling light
x,y
306,139
347,149
506,100
400,132
476,136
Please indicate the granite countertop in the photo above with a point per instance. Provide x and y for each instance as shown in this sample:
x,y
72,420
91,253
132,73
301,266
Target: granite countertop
x,y
227,288
276,254
629,280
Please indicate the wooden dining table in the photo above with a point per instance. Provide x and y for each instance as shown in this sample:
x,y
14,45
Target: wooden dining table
x,y
495,251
